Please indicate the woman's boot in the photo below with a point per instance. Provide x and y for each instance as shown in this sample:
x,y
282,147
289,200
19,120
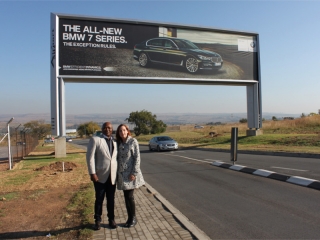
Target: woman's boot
x,y
129,220
133,219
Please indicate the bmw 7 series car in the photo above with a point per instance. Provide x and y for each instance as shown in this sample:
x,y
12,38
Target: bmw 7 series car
x,y
177,52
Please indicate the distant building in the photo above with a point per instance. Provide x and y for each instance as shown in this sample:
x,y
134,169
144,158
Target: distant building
x,y
71,131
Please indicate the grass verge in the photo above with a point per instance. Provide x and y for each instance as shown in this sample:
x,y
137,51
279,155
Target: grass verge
x,y
81,206
26,179
297,136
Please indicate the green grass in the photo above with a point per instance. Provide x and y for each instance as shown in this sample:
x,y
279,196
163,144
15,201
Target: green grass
x,y
293,142
2,214
34,162
81,200
282,139
31,163
20,179
82,204
36,194
9,196
266,139
40,161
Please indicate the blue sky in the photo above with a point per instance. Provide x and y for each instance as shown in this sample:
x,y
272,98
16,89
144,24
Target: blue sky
x,y
289,53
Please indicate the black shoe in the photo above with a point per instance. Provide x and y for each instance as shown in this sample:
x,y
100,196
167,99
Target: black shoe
x,y
127,222
97,226
112,224
131,223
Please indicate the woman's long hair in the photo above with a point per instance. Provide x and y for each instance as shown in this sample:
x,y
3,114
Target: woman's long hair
x,y
119,139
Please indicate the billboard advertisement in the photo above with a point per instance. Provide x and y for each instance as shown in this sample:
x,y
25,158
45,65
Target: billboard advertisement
x,y
100,50
117,49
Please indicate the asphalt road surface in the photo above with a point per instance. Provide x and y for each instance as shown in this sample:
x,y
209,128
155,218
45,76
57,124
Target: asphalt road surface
x,y
4,152
228,204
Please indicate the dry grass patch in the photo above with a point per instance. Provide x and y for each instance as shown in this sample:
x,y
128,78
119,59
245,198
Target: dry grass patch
x,y
300,135
35,199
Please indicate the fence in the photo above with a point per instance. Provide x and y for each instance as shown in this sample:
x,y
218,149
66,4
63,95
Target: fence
x,y
173,128
22,143
25,143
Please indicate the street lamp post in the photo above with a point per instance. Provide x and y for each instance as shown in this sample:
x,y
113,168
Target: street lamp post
x,y
9,144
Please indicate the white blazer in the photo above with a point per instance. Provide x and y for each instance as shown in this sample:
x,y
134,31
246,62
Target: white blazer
x,y
99,160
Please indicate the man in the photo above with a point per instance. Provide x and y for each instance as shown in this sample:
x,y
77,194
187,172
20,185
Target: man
x,y
102,166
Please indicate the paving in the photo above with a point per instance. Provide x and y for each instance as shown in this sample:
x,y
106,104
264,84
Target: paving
x,y
157,219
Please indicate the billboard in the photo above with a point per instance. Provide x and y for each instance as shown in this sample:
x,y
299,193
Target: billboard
x,y
101,50
126,49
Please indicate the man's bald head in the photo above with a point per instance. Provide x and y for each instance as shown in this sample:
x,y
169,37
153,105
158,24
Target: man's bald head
x,y
107,129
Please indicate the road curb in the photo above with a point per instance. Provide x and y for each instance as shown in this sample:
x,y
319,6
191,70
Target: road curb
x,y
199,234
305,182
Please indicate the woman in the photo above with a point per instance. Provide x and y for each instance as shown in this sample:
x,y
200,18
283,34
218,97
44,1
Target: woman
x,y
129,173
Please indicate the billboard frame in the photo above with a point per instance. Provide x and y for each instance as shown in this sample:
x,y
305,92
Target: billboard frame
x,y
58,125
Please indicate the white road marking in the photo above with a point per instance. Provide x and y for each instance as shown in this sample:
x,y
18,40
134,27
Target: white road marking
x,y
217,163
187,158
300,180
237,167
291,169
262,172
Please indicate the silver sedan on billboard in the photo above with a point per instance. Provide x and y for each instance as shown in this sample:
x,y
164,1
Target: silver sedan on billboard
x,y
177,52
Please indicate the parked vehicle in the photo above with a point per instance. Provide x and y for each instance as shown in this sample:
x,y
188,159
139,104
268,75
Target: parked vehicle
x,y
162,143
49,140
178,52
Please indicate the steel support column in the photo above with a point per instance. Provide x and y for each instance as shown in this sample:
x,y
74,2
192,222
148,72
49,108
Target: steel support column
x,y
253,107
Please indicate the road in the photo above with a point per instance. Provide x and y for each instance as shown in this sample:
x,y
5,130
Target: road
x,y
4,153
231,205
293,166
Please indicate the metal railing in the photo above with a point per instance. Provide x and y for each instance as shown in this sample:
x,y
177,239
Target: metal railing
x,y
22,143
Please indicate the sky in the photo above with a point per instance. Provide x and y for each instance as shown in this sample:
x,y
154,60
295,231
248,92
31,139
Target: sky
x,y
289,34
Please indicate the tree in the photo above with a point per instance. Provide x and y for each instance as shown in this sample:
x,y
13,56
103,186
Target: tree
x,y
146,123
303,115
274,118
38,128
88,128
312,114
243,120
158,127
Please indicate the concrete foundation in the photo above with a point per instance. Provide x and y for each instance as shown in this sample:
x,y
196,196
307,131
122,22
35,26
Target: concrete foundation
x,y
254,132
60,147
